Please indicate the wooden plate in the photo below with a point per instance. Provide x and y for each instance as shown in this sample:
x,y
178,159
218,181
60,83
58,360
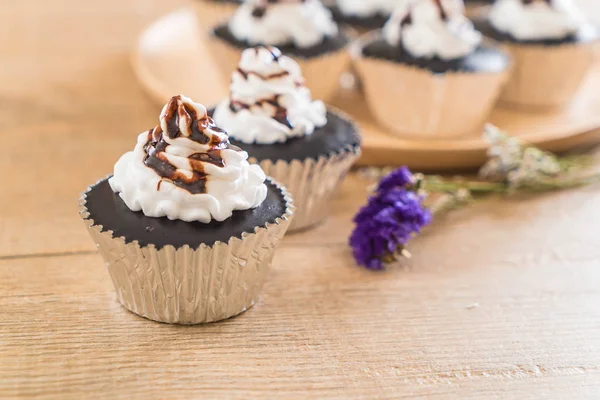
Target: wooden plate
x,y
171,58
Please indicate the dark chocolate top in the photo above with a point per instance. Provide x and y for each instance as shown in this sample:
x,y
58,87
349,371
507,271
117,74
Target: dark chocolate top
x,y
371,22
329,44
107,209
583,36
483,59
337,136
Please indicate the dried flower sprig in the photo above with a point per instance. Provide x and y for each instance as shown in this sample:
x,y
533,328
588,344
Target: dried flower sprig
x,y
391,217
397,210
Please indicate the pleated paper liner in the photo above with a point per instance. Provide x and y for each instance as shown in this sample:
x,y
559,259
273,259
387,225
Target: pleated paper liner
x,y
172,58
547,76
414,102
186,285
313,183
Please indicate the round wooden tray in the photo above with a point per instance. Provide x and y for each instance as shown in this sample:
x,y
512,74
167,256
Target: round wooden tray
x,y
171,58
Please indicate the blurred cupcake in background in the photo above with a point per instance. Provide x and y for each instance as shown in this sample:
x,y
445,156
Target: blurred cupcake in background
x,y
552,45
304,29
426,73
362,14
294,138
213,11
186,226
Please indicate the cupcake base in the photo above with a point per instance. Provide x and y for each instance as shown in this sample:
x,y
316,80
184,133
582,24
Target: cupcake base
x,y
336,136
547,73
314,182
321,65
366,23
186,273
311,167
556,84
482,60
411,100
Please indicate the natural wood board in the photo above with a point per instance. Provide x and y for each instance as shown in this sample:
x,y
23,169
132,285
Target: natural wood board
x,y
501,300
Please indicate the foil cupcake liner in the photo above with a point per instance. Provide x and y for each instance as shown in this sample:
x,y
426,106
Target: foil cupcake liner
x,y
210,13
546,76
322,73
313,182
190,285
414,102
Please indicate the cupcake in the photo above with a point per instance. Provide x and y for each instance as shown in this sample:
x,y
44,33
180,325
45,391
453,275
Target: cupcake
x,y
303,29
552,45
426,73
363,14
295,139
210,12
186,226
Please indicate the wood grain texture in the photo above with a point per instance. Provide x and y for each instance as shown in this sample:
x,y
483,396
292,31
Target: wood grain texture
x,y
501,301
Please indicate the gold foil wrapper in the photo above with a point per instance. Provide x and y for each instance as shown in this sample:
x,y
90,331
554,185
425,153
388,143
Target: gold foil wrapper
x,y
211,13
312,182
322,73
546,76
413,102
190,285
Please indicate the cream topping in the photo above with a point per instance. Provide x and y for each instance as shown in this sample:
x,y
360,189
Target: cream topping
x,y
537,19
302,23
268,102
186,169
432,28
365,9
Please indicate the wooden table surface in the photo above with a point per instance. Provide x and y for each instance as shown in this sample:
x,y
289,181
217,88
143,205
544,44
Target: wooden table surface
x,y
501,301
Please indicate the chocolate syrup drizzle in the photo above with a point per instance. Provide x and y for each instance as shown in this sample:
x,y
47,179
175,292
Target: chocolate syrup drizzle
x,y
199,125
280,113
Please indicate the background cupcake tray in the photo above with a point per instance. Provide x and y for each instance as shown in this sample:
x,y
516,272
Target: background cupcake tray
x,y
172,58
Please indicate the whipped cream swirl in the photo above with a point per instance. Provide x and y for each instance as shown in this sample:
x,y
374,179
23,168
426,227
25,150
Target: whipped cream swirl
x,y
302,23
537,19
186,169
268,101
365,9
432,28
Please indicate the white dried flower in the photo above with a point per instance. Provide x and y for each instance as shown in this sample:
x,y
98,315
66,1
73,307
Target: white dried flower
x,y
535,166
505,154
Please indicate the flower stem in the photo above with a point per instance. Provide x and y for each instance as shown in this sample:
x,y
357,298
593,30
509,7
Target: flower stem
x,y
559,184
439,185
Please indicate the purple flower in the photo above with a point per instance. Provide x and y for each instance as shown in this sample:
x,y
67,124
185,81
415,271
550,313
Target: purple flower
x,y
388,221
401,177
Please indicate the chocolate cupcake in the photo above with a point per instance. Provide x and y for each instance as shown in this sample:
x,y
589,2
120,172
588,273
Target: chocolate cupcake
x,y
296,140
186,226
361,14
210,12
303,29
552,45
426,73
